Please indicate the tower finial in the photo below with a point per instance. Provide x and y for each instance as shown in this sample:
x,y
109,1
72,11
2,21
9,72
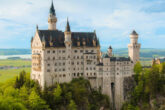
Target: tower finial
x,y
134,32
37,27
67,26
52,10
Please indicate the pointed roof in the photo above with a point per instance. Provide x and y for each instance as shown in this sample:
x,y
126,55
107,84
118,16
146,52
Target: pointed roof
x,y
110,47
32,39
52,10
67,26
134,32
37,27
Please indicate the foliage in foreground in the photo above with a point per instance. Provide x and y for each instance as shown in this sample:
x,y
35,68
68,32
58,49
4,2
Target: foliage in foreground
x,y
25,94
149,92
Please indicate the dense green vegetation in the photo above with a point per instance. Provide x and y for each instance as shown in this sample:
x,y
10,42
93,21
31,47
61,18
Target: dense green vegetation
x,y
25,94
149,92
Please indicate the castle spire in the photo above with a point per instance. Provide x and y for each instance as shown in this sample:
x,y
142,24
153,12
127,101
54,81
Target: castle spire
x,y
52,18
67,26
52,10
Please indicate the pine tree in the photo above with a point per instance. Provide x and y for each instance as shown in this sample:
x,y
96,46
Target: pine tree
x,y
36,103
72,105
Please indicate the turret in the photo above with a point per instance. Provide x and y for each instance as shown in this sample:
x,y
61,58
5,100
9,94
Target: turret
x,y
52,18
134,37
110,51
67,33
134,47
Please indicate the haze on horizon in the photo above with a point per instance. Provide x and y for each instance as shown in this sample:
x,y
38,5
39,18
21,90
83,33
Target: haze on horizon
x,y
113,20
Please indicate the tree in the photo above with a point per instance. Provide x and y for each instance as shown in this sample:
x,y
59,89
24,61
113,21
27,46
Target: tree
x,y
57,93
10,103
20,80
153,80
72,105
36,103
137,70
23,94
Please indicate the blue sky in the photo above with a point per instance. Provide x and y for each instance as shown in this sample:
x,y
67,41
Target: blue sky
x,y
113,20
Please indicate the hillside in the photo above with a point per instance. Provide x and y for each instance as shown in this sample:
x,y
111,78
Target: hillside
x,y
149,92
144,52
25,94
15,51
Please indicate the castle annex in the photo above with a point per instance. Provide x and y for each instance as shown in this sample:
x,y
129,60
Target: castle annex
x,y
58,57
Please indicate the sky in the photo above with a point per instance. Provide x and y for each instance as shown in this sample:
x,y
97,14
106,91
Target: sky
x,y
113,20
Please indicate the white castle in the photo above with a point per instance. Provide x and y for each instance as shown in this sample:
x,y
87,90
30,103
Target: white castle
x,y
58,57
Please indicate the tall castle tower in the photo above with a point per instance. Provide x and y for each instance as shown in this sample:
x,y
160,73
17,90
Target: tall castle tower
x,y
68,45
52,18
134,47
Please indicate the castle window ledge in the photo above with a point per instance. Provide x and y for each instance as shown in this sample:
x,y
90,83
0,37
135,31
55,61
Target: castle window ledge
x,y
91,77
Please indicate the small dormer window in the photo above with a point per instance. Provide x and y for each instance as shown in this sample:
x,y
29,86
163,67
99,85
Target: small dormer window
x,y
48,51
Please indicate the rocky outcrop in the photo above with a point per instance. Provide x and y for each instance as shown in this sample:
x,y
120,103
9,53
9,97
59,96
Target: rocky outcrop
x,y
158,103
128,86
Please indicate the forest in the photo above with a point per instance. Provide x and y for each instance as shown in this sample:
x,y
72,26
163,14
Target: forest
x,y
22,93
149,92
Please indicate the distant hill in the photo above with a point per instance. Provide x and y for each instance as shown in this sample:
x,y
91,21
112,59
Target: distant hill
x,y
144,52
15,51
147,53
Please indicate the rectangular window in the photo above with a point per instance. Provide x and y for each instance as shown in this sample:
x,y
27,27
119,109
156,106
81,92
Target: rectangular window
x,y
48,51
48,58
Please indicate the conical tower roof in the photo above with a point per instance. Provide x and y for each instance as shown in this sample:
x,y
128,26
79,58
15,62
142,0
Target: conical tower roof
x,y
52,10
134,32
67,26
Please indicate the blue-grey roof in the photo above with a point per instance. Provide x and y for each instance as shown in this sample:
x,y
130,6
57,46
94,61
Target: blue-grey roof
x,y
120,59
67,26
57,38
52,10
134,32
162,60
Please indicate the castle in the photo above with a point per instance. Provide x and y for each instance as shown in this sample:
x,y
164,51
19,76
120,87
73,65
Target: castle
x,y
58,57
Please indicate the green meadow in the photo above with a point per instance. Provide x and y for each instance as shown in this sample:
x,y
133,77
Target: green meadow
x,y
15,63
6,74
11,73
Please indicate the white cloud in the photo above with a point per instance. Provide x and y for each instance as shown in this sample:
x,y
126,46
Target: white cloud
x,y
112,19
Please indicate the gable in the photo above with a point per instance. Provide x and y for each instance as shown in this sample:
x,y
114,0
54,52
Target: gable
x,y
36,41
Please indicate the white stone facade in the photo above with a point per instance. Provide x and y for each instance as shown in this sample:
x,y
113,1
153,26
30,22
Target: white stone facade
x,y
58,57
